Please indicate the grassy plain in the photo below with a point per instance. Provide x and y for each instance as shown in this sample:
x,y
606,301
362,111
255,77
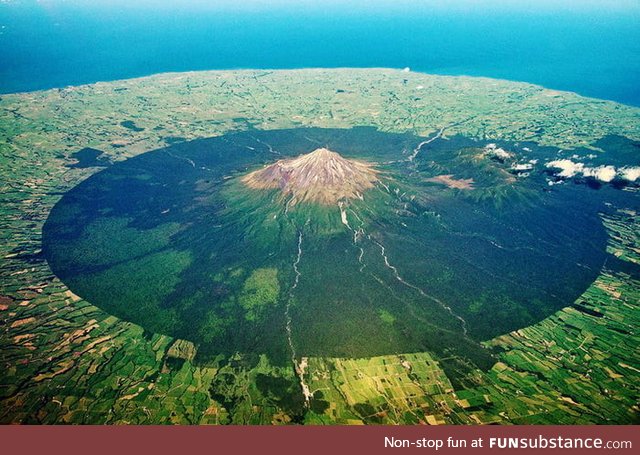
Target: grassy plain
x,y
65,361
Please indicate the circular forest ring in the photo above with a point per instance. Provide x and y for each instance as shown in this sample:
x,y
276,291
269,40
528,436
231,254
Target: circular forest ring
x,y
412,245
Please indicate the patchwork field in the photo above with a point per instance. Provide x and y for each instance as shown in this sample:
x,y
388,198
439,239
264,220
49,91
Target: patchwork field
x,y
70,360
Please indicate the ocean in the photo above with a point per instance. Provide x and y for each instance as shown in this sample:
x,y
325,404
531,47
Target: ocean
x,y
55,44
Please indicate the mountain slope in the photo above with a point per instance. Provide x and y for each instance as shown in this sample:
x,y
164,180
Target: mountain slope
x,y
322,176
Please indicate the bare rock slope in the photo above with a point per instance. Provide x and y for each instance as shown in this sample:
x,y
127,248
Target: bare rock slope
x,y
322,176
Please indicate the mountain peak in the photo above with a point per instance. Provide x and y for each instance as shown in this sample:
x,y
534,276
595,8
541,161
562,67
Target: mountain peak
x,y
322,176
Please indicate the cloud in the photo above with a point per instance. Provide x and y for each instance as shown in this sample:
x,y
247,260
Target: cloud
x,y
494,150
630,173
602,173
606,173
568,167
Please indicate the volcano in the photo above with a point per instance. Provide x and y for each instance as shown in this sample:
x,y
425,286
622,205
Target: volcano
x,y
352,249
322,176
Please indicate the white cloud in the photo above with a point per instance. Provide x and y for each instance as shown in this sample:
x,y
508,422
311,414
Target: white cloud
x,y
630,173
568,167
494,150
604,173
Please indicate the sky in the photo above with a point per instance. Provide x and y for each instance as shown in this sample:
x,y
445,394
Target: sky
x,y
331,8
442,5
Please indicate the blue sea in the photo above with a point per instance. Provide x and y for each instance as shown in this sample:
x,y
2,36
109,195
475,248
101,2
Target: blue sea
x,y
594,50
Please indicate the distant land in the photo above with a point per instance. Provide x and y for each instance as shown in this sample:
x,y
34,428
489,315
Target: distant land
x,y
61,44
